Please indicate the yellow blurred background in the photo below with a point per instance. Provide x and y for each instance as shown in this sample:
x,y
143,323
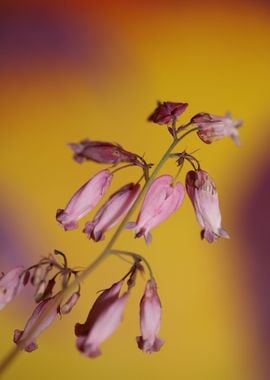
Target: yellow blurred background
x,y
96,70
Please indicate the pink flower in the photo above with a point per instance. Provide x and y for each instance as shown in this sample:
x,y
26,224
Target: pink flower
x,y
162,199
28,342
102,152
150,316
11,284
103,319
204,197
112,211
167,112
213,128
84,200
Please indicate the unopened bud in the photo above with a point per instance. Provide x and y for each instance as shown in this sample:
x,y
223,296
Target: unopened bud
x,y
68,306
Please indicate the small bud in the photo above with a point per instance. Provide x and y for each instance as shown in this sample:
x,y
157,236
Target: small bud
x,y
68,306
167,112
40,291
101,152
11,284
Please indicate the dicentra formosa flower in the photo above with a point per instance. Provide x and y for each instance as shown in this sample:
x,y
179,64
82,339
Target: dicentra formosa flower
x,y
162,199
11,284
102,152
167,112
204,197
27,340
84,200
103,319
112,211
150,317
213,128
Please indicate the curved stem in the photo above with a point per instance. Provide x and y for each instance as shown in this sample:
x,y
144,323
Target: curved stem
x,y
104,254
134,256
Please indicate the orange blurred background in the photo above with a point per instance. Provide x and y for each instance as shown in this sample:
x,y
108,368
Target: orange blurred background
x,y
77,70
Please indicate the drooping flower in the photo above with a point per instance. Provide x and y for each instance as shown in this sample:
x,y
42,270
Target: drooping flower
x,y
103,319
150,317
204,197
112,211
27,340
84,200
213,128
101,152
162,199
11,284
167,112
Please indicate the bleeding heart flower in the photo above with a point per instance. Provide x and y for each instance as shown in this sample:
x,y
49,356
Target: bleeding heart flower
x,y
84,200
162,199
112,211
204,197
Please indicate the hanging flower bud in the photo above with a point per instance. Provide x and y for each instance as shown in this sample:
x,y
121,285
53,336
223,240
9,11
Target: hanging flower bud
x,y
162,199
84,200
204,197
22,338
112,211
150,316
71,302
40,291
101,152
167,112
11,284
213,128
103,319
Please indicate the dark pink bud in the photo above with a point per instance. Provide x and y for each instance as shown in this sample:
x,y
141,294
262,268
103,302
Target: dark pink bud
x,y
103,319
102,152
112,211
11,284
213,128
22,338
150,317
167,112
204,197
84,200
162,200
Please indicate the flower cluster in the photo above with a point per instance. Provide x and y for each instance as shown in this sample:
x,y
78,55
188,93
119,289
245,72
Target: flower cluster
x,y
160,195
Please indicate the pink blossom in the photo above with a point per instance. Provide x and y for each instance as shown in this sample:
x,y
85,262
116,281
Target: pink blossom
x,y
162,199
167,112
28,342
112,211
150,316
11,284
102,152
204,197
103,319
213,128
84,200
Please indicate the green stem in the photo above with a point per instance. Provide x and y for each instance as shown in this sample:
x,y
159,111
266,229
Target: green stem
x,y
11,356
134,256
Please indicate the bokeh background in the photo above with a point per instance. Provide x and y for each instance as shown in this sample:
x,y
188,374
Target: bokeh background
x,y
71,70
